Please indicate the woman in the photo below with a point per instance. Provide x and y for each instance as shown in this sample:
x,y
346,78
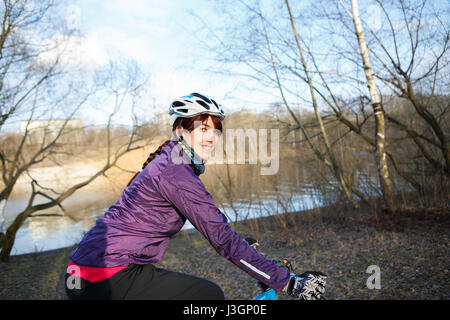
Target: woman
x,y
115,259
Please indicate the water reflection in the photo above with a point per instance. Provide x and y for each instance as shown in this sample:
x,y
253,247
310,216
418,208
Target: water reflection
x,y
48,233
53,232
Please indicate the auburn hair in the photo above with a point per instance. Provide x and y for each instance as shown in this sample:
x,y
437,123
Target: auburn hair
x,y
187,124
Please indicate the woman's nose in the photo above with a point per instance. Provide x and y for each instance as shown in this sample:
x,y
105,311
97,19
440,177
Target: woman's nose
x,y
210,137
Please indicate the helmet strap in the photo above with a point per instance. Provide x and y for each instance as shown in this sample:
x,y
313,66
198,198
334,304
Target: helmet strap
x,y
198,164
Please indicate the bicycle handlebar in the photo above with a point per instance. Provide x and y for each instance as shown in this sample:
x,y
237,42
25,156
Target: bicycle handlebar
x,y
283,262
268,293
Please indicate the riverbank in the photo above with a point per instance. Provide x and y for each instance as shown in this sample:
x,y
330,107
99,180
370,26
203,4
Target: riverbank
x,y
411,249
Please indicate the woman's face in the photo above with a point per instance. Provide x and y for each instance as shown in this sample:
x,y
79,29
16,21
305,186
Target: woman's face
x,y
203,138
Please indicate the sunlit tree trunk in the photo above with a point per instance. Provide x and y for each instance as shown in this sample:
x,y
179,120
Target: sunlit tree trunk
x,y
382,164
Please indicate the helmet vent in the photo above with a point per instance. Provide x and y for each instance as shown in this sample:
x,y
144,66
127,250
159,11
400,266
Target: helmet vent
x,y
198,95
178,104
182,110
203,104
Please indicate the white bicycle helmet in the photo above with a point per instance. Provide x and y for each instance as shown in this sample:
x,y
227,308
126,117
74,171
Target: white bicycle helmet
x,y
194,104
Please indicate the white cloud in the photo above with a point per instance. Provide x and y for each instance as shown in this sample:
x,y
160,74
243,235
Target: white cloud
x,y
83,53
125,45
140,8
162,36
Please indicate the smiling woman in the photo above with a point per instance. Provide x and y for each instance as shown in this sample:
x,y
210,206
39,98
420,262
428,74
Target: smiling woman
x,y
115,259
201,132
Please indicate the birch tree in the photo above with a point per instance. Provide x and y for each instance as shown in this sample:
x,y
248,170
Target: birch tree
x,y
378,111
404,59
263,57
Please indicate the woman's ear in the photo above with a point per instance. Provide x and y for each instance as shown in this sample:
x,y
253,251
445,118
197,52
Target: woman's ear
x,y
178,132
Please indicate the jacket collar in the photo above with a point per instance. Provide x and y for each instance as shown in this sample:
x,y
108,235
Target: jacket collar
x,y
193,159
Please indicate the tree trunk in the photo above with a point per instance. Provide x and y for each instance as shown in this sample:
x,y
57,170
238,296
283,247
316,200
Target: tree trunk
x,y
382,165
2,222
338,173
10,237
2,217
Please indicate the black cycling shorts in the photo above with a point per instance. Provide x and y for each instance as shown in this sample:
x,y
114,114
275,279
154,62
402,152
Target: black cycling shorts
x,y
144,282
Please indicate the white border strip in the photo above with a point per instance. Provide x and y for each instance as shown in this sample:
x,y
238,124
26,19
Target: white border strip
x,y
265,275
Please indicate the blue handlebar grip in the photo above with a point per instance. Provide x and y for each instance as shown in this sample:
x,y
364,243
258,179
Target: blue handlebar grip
x,y
267,295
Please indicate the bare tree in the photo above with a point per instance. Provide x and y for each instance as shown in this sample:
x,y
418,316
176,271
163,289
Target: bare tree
x,y
408,44
332,163
360,75
34,88
417,77
378,111
265,55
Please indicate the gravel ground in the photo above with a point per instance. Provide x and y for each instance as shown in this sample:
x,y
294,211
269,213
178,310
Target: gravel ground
x,y
410,249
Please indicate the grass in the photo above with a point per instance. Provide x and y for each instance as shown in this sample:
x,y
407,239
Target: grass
x,y
410,248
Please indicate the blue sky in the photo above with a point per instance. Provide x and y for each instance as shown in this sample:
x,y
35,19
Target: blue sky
x,y
161,35
166,38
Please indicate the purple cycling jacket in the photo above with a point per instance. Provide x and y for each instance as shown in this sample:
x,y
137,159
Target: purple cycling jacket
x,y
153,208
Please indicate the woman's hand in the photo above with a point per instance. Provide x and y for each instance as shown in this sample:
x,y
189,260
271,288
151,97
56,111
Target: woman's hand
x,y
307,286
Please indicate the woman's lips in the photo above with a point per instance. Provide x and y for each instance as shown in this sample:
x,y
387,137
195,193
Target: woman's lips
x,y
207,148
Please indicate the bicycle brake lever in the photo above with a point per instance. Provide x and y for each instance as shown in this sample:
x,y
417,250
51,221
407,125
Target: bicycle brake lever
x,y
287,264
